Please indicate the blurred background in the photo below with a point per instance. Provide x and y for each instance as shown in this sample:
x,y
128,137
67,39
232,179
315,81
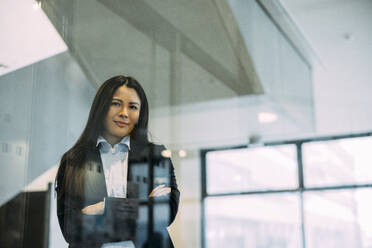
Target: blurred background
x,y
264,105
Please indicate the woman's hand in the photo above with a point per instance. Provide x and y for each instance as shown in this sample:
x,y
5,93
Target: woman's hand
x,y
94,209
160,191
98,208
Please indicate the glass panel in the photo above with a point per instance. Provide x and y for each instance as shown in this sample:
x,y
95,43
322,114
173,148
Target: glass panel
x,y
209,74
338,218
260,168
286,77
263,221
345,161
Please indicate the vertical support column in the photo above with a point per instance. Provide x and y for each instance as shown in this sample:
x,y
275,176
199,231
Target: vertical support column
x,y
152,75
175,91
175,72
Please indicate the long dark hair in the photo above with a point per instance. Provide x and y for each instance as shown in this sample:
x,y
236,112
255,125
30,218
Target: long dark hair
x,y
67,176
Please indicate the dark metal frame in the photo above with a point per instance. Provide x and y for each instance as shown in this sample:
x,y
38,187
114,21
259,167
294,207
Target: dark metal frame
x,y
301,184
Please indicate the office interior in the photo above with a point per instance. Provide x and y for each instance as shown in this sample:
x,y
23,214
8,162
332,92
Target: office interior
x,y
263,105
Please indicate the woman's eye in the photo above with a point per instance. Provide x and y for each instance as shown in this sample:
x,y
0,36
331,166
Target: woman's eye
x,y
115,103
134,107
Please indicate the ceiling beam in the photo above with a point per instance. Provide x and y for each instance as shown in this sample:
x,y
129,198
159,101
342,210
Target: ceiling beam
x,y
145,19
285,23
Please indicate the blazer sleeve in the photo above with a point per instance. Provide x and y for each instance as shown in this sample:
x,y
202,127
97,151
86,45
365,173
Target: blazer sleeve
x,y
116,223
92,230
167,204
79,228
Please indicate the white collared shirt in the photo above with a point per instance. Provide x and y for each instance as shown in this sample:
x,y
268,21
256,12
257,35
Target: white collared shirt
x,y
115,165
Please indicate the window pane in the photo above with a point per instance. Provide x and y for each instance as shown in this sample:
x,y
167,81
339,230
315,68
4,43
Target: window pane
x,y
346,161
338,218
253,221
251,169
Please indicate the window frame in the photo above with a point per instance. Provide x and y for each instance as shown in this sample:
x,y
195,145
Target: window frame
x,y
301,184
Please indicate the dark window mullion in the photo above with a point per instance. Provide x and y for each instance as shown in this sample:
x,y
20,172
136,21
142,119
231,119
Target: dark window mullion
x,y
204,195
301,187
301,180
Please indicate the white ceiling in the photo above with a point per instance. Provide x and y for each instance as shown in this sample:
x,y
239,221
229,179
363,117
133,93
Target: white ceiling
x,y
27,36
340,32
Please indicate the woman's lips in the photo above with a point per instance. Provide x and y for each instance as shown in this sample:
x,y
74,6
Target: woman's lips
x,y
121,124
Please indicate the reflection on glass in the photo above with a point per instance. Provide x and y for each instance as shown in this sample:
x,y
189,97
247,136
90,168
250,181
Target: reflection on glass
x,y
252,169
345,161
338,218
205,73
253,221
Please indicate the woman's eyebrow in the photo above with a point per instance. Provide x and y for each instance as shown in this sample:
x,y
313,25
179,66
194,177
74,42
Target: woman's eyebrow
x,y
136,103
118,99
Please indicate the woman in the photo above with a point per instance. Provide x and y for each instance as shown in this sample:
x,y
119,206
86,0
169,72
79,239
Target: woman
x,y
114,188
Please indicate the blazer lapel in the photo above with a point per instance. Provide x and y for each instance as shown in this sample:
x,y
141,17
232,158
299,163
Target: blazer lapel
x,y
95,176
137,154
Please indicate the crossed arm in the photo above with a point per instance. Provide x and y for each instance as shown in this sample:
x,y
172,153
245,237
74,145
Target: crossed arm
x,y
76,219
98,208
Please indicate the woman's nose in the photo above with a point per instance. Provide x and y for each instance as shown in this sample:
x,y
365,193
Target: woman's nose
x,y
124,112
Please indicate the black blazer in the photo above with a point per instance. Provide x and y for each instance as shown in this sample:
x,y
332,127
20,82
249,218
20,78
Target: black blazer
x,y
138,217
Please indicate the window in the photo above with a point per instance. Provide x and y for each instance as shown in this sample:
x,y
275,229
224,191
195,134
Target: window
x,y
335,162
246,169
303,193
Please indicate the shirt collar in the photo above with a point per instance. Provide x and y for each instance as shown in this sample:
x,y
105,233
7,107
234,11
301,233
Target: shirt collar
x,y
124,141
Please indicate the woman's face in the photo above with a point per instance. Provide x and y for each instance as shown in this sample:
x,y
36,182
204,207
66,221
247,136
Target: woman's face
x,y
122,115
